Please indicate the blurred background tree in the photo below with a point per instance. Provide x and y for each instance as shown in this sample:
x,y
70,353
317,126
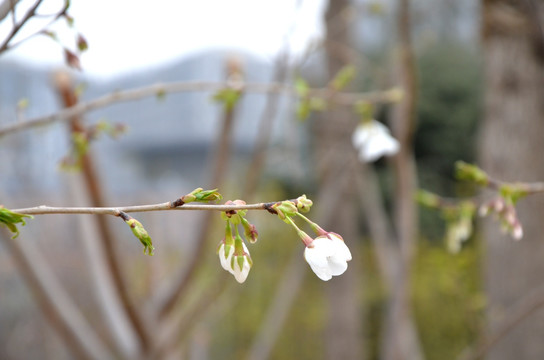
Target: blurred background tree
x,y
403,297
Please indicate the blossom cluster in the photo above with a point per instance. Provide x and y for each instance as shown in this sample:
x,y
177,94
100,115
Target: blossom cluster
x,y
327,254
505,212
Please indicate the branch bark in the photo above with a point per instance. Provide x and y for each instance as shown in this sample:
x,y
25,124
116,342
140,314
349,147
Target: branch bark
x,y
97,198
341,98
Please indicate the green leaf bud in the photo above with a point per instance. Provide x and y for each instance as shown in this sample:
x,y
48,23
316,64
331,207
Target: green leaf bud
x,y
285,209
228,97
427,198
343,77
139,231
469,172
9,219
301,87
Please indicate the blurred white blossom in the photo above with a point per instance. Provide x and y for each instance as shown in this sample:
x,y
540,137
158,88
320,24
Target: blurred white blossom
x,y
373,140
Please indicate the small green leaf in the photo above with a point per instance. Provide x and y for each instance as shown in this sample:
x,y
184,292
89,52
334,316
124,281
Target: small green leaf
x,y
343,77
229,97
9,219
201,195
427,198
82,44
511,193
469,172
301,87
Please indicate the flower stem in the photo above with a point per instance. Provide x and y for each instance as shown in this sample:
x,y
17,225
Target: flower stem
x,y
316,228
306,239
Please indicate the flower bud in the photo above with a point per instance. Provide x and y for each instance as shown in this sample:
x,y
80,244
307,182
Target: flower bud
x,y
285,209
304,204
241,262
250,231
469,172
427,199
517,231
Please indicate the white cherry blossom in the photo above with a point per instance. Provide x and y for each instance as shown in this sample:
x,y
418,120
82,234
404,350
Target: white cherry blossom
x,y
373,140
238,264
225,255
327,255
240,267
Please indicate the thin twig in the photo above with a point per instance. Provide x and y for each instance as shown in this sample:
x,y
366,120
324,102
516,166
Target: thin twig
x,y
46,210
29,14
341,98
93,187
529,188
54,17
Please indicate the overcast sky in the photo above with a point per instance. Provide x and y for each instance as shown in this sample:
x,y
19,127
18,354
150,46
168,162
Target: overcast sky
x,y
124,35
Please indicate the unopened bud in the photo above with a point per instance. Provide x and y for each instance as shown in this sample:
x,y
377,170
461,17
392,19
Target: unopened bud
x,y
139,231
517,231
250,231
469,172
285,209
304,204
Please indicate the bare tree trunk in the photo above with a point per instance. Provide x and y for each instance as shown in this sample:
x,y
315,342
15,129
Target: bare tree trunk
x,y
343,334
511,149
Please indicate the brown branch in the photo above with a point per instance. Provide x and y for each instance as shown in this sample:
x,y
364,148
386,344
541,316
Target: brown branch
x,y
94,189
29,14
341,98
52,299
48,210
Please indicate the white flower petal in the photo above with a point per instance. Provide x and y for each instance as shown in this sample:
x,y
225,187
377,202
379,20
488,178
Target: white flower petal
x,y
342,250
328,256
337,267
316,257
241,273
225,259
360,135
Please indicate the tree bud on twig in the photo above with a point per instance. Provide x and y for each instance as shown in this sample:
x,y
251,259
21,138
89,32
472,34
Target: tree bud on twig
x,y
139,231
